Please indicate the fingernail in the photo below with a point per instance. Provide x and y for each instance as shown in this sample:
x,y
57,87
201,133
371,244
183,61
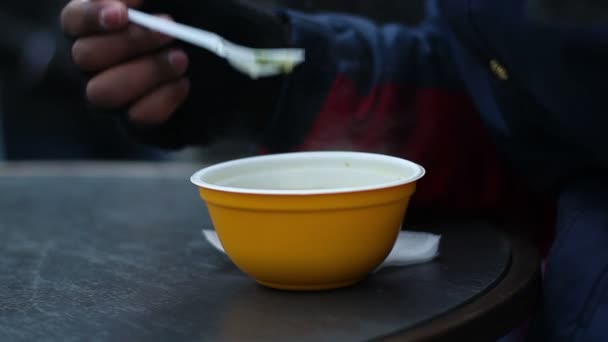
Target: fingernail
x,y
112,16
178,60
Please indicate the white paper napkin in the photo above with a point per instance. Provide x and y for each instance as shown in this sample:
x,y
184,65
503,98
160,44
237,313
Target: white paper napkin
x,y
411,248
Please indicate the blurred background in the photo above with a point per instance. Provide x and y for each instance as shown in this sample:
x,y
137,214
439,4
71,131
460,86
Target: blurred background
x,y
43,115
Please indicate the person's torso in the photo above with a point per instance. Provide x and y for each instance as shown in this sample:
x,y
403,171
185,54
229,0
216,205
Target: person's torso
x,y
539,88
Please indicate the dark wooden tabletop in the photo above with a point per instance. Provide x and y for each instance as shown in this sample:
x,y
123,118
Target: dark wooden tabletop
x,y
105,252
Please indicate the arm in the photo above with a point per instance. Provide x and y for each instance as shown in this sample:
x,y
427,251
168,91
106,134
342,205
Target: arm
x,y
340,50
347,54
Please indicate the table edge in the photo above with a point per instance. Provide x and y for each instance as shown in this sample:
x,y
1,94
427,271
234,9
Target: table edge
x,y
509,303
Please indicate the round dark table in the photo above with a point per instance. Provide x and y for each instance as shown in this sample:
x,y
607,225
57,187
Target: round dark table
x,y
114,252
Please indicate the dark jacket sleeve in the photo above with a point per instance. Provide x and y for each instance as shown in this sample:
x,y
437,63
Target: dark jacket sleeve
x,y
343,48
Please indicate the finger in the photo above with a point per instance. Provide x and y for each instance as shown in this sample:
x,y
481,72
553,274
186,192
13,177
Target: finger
x,y
102,51
85,17
121,85
161,103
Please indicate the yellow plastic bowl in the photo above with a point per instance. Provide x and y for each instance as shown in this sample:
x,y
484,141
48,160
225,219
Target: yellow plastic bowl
x,y
308,220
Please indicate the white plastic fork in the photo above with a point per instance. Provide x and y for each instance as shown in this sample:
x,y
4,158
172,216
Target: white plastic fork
x,y
253,62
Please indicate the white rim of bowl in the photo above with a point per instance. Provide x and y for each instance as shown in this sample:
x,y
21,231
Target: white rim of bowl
x,y
418,173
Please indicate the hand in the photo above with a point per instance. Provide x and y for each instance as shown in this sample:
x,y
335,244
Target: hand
x,y
133,67
174,94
